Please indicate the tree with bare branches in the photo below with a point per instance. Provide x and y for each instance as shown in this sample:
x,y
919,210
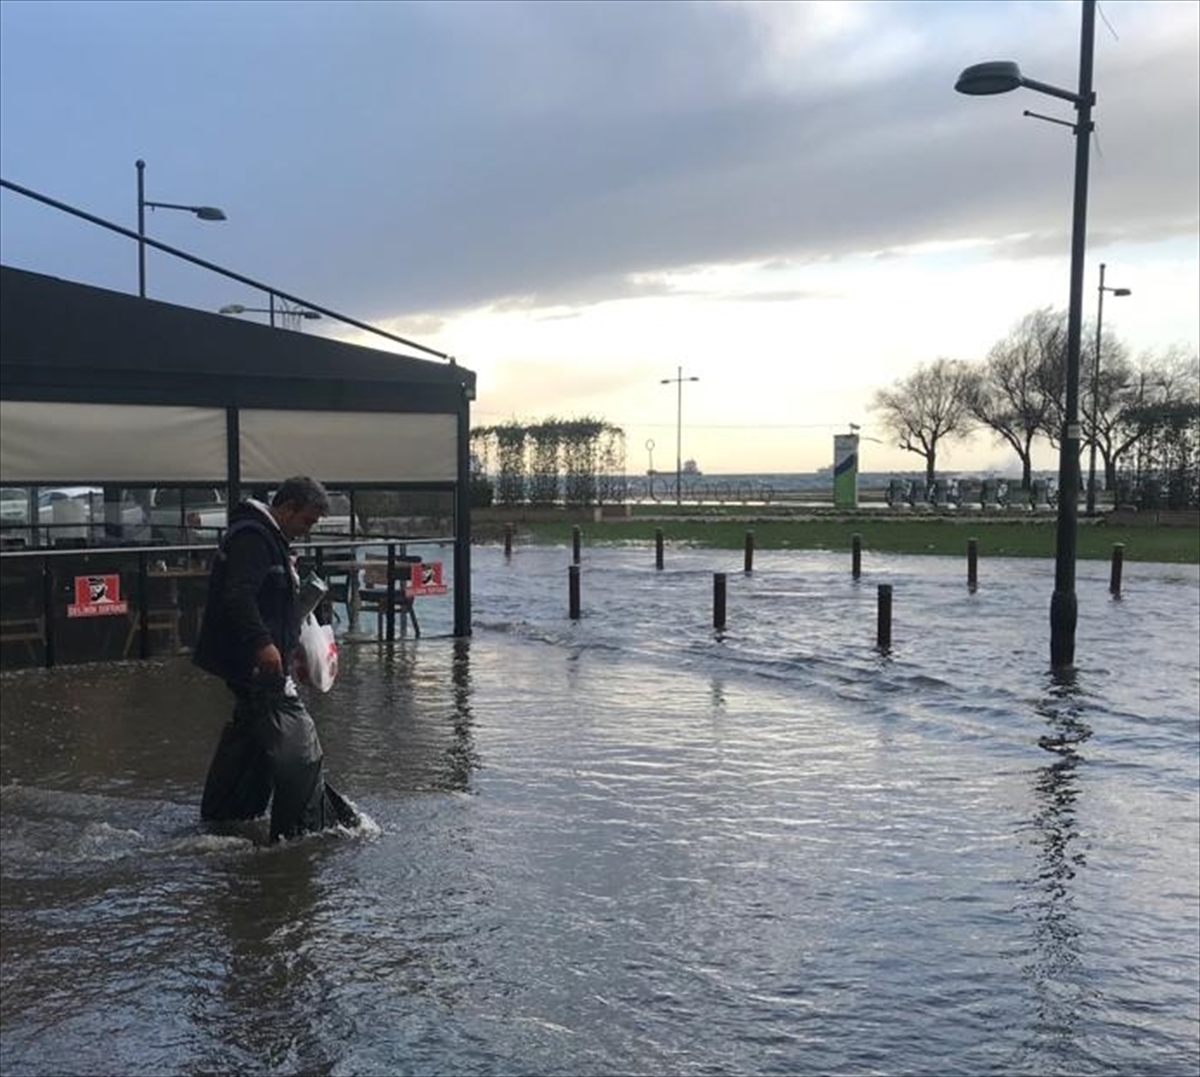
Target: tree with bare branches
x,y
1103,392
1015,391
1162,390
927,407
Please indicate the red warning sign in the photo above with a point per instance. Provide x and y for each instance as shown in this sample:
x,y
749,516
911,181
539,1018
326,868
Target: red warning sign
x,y
426,579
97,596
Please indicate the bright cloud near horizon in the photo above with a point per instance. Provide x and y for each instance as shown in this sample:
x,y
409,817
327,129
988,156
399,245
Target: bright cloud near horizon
x,y
787,201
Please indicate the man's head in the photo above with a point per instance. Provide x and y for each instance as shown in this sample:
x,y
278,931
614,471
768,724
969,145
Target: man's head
x,y
298,504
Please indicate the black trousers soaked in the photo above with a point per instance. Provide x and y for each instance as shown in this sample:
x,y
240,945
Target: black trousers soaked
x,y
270,747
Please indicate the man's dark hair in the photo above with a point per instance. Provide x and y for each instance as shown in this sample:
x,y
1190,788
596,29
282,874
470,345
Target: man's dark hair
x,y
300,491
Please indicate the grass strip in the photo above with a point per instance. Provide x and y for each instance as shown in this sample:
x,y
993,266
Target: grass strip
x,y
941,536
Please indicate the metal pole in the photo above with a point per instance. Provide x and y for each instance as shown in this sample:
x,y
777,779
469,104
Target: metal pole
x,y
679,437
462,520
7,185
1091,489
1118,560
141,221
272,310
883,617
573,592
1064,606
679,379
394,586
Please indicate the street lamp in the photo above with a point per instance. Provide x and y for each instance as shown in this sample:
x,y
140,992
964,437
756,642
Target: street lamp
x,y
205,213
1000,77
679,379
287,312
1091,490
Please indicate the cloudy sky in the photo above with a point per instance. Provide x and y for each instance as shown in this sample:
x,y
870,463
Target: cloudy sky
x,y
787,201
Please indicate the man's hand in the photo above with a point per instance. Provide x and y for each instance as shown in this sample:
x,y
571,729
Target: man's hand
x,y
268,661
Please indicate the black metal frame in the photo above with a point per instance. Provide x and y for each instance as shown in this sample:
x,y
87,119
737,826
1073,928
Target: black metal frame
x,y
66,342
56,567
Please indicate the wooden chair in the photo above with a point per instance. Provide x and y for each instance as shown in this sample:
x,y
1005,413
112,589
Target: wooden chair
x,y
164,621
337,595
373,594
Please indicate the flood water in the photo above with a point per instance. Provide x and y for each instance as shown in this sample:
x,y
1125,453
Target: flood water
x,y
631,844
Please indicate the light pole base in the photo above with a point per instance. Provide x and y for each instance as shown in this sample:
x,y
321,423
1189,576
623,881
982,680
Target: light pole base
x,y
1064,613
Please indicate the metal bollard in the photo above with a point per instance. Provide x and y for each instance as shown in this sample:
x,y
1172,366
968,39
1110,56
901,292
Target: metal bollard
x,y
1118,561
143,593
508,533
749,564
883,629
48,600
972,563
718,600
575,544
394,583
658,547
573,591
856,555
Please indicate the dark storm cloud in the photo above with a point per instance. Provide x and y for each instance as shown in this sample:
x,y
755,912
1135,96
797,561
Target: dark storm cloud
x,y
390,158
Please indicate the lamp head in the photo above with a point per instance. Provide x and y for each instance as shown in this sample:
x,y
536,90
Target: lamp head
x,y
209,213
232,308
995,76
1121,291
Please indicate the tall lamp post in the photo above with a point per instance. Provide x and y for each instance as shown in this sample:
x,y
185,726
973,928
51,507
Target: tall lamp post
x,y
679,379
205,213
1091,489
297,313
1001,77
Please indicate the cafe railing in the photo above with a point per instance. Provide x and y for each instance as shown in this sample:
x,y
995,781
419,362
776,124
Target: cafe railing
x,y
100,604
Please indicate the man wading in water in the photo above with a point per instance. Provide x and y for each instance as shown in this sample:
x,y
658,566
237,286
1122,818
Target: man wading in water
x,y
250,632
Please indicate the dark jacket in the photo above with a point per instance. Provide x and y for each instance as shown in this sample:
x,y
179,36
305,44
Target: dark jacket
x,y
252,599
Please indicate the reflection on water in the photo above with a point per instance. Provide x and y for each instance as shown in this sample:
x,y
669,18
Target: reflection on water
x,y
261,923
1056,971
624,844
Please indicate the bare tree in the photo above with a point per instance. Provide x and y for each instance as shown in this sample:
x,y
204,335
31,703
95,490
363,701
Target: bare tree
x,y
1015,391
1103,403
1157,384
927,407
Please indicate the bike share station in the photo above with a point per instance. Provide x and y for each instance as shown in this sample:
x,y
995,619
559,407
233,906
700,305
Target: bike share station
x,y
119,393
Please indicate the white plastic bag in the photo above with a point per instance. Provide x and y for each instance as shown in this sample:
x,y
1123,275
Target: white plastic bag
x,y
317,655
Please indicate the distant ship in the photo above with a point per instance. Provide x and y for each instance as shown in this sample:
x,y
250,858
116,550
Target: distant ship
x,y
689,468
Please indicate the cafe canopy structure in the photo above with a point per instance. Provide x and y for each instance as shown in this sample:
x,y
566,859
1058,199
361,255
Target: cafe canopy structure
x,y
105,389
